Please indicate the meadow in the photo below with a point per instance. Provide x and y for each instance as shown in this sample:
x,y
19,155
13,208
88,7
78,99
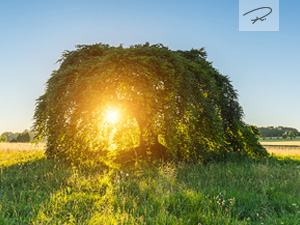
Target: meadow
x,y
280,139
234,190
282,143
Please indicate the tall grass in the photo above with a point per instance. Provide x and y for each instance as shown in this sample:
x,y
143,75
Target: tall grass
x,y
239,190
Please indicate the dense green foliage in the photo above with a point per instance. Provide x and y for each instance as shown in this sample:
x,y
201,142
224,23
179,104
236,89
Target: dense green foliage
x,y
172,104
291,135
277,131
238,190
10,136
23,137
3,138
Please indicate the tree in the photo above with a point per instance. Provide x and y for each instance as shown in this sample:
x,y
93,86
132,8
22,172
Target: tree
x,y
171,104
276,131
23,137
14,140
284,136
10,135
3,138
291,135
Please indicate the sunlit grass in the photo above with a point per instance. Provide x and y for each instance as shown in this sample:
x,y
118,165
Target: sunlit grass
x,y
239,190
11,153
21,147
284,152
281,143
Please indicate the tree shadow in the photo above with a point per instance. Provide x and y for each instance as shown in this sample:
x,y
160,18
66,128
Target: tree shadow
x,y
25,186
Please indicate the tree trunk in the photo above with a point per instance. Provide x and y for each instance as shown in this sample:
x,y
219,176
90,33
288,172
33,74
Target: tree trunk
x,y
142,148
156,149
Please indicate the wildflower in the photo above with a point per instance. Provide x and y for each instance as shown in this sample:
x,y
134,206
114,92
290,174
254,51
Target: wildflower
x,y
126,174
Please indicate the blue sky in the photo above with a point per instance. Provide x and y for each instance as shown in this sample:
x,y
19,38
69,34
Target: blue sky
x,y
263,66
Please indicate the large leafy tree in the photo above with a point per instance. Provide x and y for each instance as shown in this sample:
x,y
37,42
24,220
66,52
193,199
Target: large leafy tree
x,y
170,103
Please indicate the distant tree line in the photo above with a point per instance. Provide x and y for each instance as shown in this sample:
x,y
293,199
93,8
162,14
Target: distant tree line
x,y
280,131
23,137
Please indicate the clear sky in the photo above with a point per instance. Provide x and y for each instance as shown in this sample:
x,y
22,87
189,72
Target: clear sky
x,y
263,66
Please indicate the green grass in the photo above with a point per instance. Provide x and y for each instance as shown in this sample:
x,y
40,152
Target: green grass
x,y
240,190
276,139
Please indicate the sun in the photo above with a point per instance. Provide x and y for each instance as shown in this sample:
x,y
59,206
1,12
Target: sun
x,y
112,116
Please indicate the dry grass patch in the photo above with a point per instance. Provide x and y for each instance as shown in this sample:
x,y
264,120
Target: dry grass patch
x,y
283,151
281,143
11,153
21,147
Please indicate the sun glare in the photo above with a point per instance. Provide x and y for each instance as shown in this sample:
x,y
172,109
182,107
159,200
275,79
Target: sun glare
x,y
112,116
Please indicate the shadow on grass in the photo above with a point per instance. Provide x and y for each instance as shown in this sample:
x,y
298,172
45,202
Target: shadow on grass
x,y
25,186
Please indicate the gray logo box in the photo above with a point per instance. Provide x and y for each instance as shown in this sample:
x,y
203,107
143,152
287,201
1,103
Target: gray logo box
x,y
258,15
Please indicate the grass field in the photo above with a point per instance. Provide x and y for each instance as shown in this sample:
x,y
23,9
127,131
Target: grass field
x,y
286,146
275,139
34,190
281,143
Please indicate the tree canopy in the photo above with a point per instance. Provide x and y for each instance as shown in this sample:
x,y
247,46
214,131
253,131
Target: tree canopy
x,y
23,137
291,135
169,103
3,138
